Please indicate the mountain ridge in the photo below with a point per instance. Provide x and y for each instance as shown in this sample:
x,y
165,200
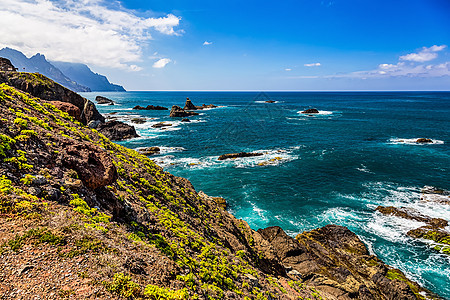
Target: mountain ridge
x,y
75,76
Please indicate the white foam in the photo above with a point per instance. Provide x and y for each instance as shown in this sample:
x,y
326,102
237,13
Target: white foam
x,y
364,169
321,113
392,228
413,141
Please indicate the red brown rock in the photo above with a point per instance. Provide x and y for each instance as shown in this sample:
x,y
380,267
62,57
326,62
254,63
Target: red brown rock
x,y
92,164
69,108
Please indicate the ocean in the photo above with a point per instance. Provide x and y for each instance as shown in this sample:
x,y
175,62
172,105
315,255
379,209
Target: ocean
x,y
334,167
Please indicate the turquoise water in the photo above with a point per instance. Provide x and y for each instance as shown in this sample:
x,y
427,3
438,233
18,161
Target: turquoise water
x,y
335,167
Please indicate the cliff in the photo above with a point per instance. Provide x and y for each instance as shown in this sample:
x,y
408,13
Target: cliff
x,y
84,218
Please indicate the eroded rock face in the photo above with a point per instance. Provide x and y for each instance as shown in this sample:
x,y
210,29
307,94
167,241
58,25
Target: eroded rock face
x,y
177,111
238,155
92,164
337,263
69,108
117,131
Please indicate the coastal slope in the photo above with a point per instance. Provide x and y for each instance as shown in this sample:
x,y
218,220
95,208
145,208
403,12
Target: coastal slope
x,y
84,218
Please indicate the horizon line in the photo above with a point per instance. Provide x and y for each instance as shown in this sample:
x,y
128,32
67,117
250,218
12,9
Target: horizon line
x,y
297,91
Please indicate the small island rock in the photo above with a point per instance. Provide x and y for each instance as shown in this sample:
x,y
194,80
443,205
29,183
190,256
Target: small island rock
x,y
424,141
103,100
310,111
150,107
238,155
177,111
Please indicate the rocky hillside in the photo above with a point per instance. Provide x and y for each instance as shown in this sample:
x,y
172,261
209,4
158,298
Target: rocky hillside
x,y
84,218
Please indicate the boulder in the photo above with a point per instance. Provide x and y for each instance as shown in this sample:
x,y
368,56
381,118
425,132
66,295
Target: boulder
x,y
103,100
270,101
310,111
424,141
68,108
94,124
117,131
149,150
238,155
177,111
92,164
185,120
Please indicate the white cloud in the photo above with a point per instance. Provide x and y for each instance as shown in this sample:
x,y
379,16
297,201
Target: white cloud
x,y
86,31
288,69
206,43
426,54
312,65
161,63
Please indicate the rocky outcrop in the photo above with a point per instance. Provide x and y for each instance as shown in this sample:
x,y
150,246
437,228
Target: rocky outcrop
x,y
178,112
424,141
103,100
117,131
161,125
218,200
310,111
337,263
149,150
69,108
92,164
41,87
434,230
239,155
150,107
6,65
411,214
190,106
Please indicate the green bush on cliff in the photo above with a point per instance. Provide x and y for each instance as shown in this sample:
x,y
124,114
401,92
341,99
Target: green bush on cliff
x,y
123,286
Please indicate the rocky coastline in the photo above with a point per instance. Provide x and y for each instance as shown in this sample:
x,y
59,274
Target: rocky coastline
x,y
84,218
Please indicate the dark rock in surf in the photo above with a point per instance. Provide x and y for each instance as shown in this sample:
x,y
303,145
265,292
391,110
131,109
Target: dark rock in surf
x,y
117,131
177,111
239,155
310,111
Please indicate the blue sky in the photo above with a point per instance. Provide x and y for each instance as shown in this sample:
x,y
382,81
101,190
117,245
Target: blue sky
x,y
242,45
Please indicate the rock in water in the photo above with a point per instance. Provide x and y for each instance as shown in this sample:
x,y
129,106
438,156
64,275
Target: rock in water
x,y
150,107
424,141
104,100
270,101
189,105
310,111
237,155
161,125
177,111
149,150
117,131
185,120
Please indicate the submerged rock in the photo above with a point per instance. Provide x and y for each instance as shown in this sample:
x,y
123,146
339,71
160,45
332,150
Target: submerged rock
x,y
238,155
138,120
310,111
150,107
104,100
270,101
177,111
117,131
185,120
